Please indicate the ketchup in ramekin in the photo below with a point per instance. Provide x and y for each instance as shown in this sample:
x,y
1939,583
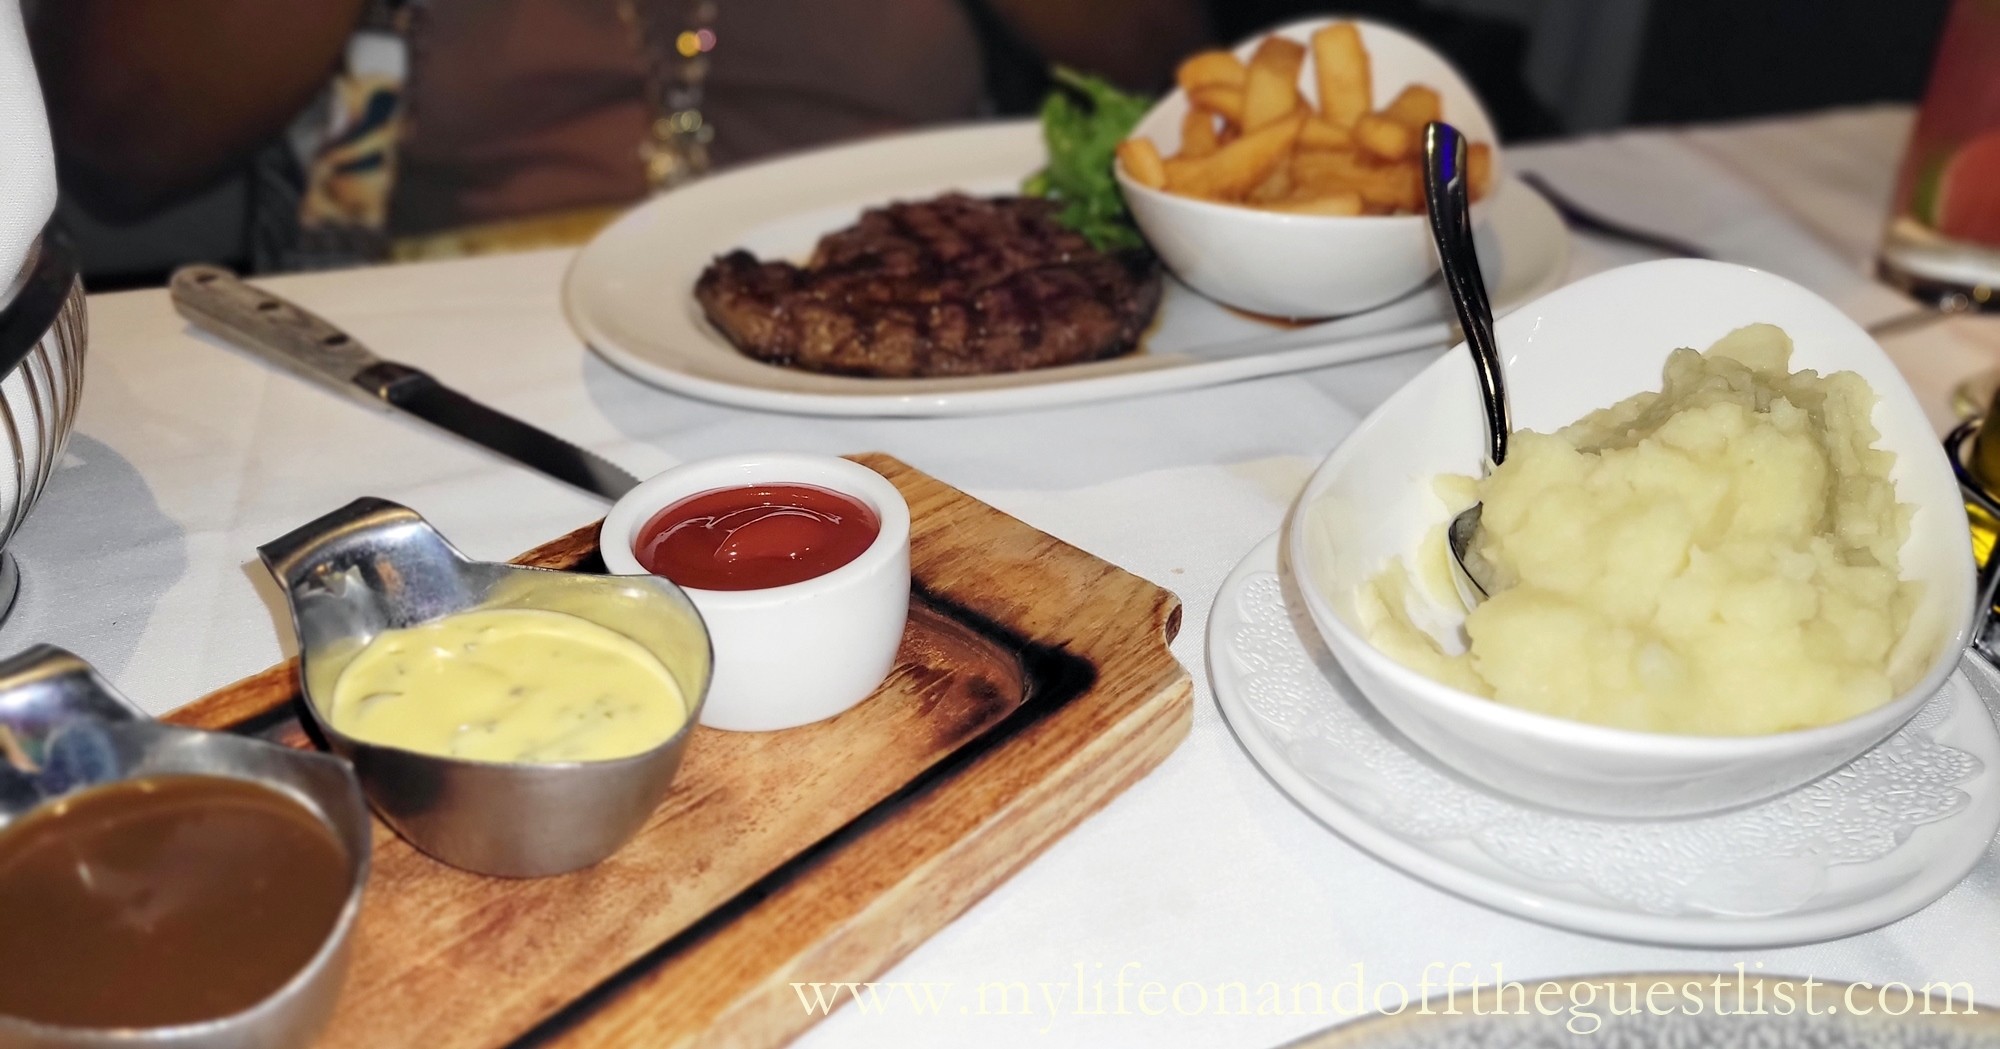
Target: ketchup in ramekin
x,y
756,537
799,566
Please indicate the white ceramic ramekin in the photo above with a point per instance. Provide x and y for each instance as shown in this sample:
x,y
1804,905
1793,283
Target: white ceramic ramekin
x,y
787,655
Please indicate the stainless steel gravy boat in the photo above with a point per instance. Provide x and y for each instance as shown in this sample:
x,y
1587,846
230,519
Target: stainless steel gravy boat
x,y
68,729
375,565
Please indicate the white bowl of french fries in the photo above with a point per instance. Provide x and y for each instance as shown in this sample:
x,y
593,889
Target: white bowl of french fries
x,y
1286,177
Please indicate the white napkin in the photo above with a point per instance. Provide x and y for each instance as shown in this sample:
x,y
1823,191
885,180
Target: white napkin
x,y
27,162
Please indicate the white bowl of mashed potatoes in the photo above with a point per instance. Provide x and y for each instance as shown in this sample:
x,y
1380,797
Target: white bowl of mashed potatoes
x,y
1702,596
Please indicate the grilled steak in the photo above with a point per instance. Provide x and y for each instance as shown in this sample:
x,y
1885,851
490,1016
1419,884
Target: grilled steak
x,y
953,286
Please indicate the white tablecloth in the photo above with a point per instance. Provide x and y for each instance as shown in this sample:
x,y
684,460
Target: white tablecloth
x,y
187,455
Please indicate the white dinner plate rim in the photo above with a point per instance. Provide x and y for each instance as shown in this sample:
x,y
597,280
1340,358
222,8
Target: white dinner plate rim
x,y
1948,864
1056,390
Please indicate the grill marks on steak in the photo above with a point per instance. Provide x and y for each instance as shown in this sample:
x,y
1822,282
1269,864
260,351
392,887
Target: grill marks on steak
x,y
958,285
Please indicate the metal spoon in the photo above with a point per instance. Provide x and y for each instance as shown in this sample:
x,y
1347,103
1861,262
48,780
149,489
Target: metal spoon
x,y
1445,185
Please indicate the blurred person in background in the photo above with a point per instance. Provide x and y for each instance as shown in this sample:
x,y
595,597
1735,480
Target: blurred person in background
x,y
373,129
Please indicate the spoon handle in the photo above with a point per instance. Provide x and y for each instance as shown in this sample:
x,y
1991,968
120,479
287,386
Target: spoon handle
x,y
1445,183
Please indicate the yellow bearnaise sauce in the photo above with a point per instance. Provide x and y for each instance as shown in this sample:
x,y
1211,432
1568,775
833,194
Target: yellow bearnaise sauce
x,y
509,685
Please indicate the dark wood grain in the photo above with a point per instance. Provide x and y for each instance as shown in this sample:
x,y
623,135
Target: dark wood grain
x,y
1033,684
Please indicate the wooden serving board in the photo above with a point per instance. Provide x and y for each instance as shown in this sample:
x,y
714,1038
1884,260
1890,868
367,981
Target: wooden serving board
x,y
1034,684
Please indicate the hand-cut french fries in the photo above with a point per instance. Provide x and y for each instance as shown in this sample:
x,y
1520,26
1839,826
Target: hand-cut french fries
x,y
1341,65
1197,133
1414,107
1479,168
1319,134
1210,69
1342,202
1251,137
1142,161
1386,139
1383,187
1271,90
1276,186
1222,99
1230,173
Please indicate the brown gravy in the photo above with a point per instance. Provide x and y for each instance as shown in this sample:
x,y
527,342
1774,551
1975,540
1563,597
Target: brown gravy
x,y
169,900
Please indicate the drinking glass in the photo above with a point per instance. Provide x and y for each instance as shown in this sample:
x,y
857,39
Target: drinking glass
x,y
1943,240
1942,244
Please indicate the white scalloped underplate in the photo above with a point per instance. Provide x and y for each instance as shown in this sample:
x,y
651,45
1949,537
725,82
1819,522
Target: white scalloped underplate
x,y
630,291
1827,860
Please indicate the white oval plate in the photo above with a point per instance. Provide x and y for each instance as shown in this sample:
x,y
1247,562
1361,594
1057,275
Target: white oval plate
x,y
630,291
1869,844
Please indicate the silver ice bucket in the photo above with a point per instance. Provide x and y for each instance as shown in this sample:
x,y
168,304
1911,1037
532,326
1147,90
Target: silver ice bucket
x,y
42,336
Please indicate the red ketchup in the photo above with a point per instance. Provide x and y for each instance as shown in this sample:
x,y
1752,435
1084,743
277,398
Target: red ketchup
x,y
756,537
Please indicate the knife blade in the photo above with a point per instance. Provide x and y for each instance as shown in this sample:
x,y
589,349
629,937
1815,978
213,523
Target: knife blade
x,y
216,301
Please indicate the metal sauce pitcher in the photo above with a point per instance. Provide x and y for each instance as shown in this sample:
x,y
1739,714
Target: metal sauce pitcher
x,y
374,565
65,729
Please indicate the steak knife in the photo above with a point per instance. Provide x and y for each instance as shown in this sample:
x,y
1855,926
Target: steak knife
x,y
214,300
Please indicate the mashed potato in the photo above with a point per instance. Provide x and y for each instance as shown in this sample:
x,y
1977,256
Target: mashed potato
x,y
1718,558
